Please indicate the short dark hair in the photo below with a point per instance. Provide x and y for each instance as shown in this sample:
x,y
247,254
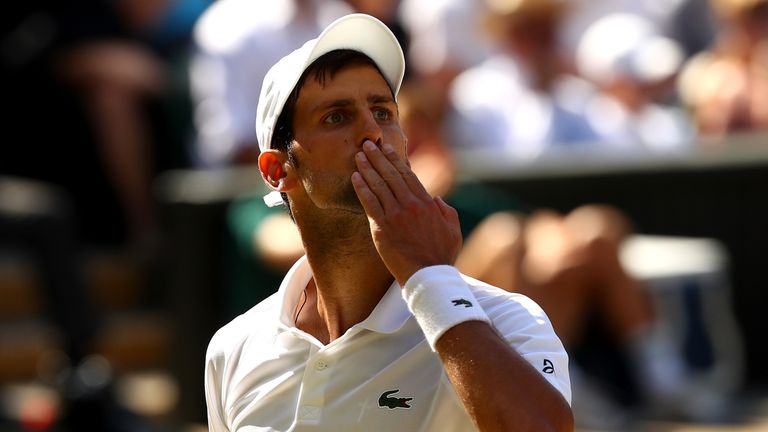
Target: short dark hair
x,y
323,68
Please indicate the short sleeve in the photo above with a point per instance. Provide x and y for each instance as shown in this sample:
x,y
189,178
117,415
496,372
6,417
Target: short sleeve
x,y
527,329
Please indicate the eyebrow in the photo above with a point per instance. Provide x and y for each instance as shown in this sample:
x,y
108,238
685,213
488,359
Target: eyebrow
x,y
376,99
338,103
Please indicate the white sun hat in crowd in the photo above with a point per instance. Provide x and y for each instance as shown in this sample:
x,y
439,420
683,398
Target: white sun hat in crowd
x,y
627,44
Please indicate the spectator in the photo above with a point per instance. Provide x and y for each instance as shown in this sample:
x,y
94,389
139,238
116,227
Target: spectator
x,y
99,67
446,37
524,100
235,41
725,85
634,69
688,22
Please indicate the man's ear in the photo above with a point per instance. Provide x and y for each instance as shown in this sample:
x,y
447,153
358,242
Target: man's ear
x,y
274,169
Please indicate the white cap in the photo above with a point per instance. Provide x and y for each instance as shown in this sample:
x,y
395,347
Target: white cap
x,y
359,32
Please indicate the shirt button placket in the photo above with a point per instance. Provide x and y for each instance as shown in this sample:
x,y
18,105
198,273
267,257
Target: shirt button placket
x,y
313,394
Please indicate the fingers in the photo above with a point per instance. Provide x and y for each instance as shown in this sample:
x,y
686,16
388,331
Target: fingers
x,y
379,159
388,176
367,198
410,229
374,182
403,167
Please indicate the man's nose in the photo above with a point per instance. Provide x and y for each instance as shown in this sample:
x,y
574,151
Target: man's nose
x,y
370,129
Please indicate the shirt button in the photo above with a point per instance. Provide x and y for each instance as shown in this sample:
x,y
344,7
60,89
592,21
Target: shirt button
x,y
321,365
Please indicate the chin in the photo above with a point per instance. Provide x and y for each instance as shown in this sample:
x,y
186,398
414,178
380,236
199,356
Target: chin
x,y
345,200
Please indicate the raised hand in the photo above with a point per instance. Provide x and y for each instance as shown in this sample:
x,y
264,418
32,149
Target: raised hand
x,y
410,228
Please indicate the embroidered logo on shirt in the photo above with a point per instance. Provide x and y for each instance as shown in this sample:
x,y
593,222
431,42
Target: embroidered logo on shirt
x,y
548,367
460,302
393,402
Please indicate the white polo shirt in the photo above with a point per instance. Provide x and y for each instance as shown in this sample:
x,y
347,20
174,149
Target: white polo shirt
x,y
264,374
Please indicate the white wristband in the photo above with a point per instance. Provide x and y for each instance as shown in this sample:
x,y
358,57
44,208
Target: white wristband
x,y
439,299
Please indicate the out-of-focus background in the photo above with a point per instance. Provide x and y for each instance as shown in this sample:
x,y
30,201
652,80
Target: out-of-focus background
x,y
132,226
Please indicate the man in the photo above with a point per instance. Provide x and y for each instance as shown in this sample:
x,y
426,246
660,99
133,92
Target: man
x,y
373,328
735,70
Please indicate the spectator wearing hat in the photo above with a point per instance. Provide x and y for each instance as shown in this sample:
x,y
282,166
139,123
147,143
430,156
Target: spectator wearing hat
x,y
524,100
634,68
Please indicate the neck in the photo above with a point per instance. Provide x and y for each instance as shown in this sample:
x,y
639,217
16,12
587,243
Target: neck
x,y
349,276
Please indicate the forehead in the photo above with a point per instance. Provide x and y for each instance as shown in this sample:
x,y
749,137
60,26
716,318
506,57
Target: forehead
x,y
349,80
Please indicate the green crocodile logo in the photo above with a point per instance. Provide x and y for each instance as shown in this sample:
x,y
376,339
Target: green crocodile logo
x,y
393,402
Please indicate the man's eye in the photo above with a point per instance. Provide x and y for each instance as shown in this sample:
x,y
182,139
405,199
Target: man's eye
x,y
333,118
382,114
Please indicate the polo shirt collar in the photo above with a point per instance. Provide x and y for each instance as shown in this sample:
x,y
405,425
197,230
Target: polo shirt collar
x,y
289,293
388,316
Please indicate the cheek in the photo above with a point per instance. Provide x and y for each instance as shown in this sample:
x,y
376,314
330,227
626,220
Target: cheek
x,y
329,143
395,136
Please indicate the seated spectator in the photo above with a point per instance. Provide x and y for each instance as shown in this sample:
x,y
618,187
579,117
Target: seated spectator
x,y
92,88
524,100
446,38
725,85
688,22
235,41
634,69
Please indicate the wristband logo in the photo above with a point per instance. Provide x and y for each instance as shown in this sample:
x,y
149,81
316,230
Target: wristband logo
x,y
461,301
393,402
549,368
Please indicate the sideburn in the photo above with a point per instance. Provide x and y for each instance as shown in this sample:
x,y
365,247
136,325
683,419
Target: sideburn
x,y
292,156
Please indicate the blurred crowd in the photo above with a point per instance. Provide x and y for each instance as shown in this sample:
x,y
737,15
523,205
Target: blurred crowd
x,y
521,77
105,95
